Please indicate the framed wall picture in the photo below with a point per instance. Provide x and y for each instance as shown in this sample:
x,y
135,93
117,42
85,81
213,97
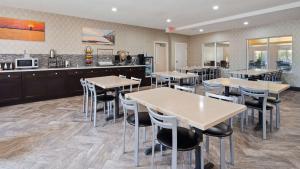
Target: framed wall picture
x,y
92,36
16,29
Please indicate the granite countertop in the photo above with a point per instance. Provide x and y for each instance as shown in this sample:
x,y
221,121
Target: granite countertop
x,y
69,68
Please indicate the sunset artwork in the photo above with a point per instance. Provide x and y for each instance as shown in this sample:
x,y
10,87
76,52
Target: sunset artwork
x,y
15,29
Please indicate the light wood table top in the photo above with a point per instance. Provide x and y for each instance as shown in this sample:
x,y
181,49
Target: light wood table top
x,y
108,82
253,72
199,111
176,75
273,88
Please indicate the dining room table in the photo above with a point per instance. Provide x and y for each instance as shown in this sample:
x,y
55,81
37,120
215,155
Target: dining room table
x,y
198,111
272,87
251,72
175,75
112,83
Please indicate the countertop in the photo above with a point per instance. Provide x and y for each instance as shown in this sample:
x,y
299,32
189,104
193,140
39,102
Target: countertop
x,y
69,68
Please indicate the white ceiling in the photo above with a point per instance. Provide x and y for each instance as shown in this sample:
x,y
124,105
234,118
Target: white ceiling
x,y
187,15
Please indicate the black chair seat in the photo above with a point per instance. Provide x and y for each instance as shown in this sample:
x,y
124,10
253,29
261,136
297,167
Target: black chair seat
x,y
123,92
186,139
220,130
273,100
105,98
257,105
144,119
234,93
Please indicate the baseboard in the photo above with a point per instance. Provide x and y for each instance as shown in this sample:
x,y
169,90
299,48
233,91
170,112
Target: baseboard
x,y
294,88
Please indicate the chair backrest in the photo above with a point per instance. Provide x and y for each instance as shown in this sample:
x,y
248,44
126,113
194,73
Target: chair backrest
x,y
83,83
138,80
221,97
193,78
169,122
130,105
262,95
186,89
91,87
216,88
122,76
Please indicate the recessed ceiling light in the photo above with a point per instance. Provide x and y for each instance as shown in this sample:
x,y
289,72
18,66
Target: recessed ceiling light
x,y
216,7
114,9
168,20
201,30
246,23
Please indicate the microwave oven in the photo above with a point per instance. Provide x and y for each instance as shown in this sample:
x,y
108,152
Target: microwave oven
x,y
26,63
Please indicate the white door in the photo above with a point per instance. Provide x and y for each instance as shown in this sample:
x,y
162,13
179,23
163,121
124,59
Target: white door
x,y
180,55
160,59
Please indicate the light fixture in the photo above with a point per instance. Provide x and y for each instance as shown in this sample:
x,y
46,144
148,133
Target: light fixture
x,y
246,23
215,7
201,30
168,20
114,9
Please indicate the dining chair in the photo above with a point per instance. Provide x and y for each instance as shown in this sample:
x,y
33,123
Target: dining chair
x,y
136,119
138,80
257,99
174,137
191,89
107,100
83,83
221,131
213,88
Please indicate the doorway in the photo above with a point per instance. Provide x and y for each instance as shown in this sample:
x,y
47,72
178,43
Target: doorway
x,y
161,56
180,55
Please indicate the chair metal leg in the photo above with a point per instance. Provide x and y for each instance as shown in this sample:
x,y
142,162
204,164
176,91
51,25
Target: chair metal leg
x,y
264,125
246,117
271,120
277,115
136,150
252,116
86,104
124,131
231,144
83,102
242,121
207,145
222,154
153,147
145,137
95,112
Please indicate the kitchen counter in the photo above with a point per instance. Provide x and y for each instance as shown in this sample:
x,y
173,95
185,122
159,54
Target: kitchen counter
x,y
69,68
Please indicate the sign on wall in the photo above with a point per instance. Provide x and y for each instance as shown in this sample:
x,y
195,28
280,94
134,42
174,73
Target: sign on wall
x,y
92,36
16,29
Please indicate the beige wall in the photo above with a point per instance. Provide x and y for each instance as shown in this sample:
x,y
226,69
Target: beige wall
x,y
238,45
63,33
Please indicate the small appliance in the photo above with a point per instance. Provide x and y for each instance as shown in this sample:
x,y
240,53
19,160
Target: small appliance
x,y
26,63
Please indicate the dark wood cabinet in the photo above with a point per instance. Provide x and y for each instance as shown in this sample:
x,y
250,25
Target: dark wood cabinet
x,y
34,85
28,86
10,88
73,82
56,86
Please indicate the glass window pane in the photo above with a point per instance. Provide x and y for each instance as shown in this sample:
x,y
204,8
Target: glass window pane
x,y
209,54
223,54
280,53
257,53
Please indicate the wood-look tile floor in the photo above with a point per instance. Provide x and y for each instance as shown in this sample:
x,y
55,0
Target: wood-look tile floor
x,y
56,135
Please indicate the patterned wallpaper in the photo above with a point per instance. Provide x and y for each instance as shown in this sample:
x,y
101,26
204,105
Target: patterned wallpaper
x,y
238,45
63,33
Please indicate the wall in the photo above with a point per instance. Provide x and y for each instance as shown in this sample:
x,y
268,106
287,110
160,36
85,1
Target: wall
x,y
238,45
63,33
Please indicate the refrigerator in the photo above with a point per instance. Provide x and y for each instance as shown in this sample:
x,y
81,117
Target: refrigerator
x,y
148,65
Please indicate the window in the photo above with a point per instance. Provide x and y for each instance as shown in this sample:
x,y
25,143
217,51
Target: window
x,y
270,53
216,54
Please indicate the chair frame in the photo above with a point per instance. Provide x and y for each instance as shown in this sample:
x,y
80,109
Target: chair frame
x,y
258,94
213,87
185,88
83,83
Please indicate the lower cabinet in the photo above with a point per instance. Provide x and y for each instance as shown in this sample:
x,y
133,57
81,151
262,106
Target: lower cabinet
x,y
34,85
56,84
10,88
21,87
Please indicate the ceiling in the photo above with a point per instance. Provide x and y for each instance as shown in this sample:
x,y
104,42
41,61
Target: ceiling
x,y
188,16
